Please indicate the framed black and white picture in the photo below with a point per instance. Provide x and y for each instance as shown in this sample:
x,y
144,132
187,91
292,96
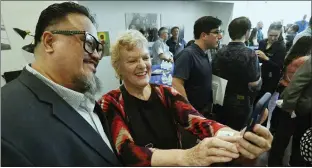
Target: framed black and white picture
x,y
147,23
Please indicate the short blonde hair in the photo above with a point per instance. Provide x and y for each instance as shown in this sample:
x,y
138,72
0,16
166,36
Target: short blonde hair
x,y
126,41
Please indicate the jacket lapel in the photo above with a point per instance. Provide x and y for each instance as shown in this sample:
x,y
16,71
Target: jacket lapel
x,y
68,116
98,110
83,129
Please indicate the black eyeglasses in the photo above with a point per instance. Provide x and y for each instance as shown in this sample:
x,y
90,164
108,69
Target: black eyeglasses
x,y
218,32
90,43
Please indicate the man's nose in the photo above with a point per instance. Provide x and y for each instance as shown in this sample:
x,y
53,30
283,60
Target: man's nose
x,y
220,36
96,55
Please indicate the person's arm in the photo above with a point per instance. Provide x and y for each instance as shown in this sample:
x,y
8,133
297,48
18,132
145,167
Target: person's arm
x,y
301,78
208,151
212,150
254,73
261,47
278,58
189,118
182,69
178,84
11,156
294,66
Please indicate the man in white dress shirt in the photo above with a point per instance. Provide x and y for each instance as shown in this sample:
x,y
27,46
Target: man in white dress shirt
x,y
160,50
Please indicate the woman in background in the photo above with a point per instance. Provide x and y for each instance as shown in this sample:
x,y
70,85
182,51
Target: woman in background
x,y
252,41
281,120
144,118
271,54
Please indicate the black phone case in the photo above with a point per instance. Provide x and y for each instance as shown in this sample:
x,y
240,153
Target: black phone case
x,y
258,111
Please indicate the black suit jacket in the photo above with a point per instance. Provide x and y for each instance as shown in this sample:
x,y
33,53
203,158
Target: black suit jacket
x,y
40,129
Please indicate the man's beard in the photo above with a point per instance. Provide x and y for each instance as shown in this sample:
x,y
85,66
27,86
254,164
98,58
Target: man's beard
x,y
90,84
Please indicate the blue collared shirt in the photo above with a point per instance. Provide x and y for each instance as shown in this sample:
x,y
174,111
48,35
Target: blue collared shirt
x,y
302,25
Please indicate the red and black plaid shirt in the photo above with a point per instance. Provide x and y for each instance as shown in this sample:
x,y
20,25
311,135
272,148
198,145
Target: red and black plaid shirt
x,y
131,154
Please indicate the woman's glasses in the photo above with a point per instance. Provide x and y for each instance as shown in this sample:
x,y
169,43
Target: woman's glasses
x,y
90,43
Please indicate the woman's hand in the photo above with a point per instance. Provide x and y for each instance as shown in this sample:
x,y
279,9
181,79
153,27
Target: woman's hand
x,y
255,144
262,55
252,145
211,150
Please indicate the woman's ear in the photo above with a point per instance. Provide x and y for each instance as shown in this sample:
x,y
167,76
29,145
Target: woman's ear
x,y
47,40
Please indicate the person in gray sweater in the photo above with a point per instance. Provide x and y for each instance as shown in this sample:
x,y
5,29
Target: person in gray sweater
x,y
298,97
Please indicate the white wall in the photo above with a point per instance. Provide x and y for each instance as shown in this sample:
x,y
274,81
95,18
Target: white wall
x,y
270,11
23,15
106,74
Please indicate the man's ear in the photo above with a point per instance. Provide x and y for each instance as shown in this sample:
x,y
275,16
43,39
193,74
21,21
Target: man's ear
x,y
47,40
203,35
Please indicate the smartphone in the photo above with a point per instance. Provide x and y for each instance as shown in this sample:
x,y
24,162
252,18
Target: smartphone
x,y
258,112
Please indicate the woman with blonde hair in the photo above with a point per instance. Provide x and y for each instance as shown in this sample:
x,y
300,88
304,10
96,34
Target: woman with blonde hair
x,y
144,118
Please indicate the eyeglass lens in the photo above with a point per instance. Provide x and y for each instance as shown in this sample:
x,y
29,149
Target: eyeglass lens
x,y
92,44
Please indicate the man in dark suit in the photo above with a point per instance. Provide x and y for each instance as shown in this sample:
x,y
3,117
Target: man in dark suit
x,y
49,113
